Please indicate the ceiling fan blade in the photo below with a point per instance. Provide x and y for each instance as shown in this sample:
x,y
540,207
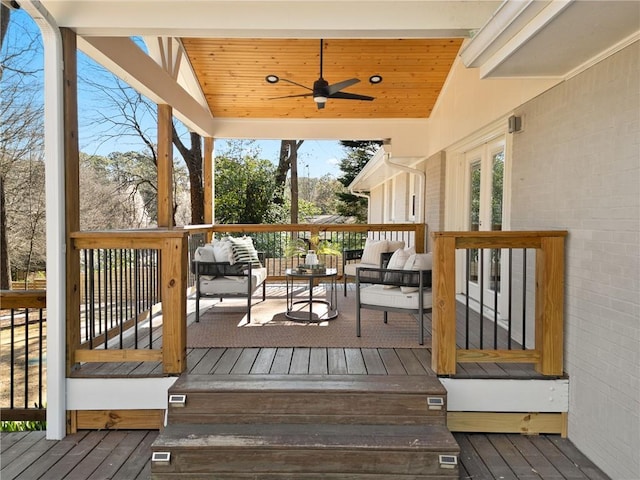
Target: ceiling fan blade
x,y
336,87
351,96
295,83
293,96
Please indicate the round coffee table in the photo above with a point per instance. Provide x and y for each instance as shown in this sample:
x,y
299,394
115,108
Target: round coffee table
x,y
305,313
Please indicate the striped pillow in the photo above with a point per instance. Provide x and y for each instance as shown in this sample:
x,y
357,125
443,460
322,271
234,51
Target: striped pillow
x,y
244,251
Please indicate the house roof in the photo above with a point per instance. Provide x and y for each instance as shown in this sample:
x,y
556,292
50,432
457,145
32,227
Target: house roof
x,y
208,59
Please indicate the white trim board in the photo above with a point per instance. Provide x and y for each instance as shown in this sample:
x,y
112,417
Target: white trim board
x,y
496,395
118,393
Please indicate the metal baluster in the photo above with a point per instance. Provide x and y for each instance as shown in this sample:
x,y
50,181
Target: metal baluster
x,y
26,358
40,356
510,296
493,265
524,298
481,284
466,306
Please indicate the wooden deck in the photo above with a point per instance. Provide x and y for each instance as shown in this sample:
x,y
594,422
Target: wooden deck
x,y
125,455
320,360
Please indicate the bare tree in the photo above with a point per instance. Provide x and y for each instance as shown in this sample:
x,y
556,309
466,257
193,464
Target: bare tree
x,y
288,160
128,114
20,139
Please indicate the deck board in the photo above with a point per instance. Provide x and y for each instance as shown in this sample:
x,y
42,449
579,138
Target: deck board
x,y
125,455
209,360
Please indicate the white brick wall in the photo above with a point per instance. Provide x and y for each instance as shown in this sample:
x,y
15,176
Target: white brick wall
x,y
434,195
576,166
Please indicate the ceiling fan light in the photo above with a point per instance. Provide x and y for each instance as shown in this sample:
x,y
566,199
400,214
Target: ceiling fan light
x,y
375,79
320,99
272,78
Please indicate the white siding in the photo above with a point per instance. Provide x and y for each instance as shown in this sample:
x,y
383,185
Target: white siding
x,y
576,166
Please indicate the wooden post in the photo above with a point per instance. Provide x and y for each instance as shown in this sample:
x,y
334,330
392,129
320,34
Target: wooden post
x,y
173,276
550,305
443,354
165,167
72,193
420,240
209,185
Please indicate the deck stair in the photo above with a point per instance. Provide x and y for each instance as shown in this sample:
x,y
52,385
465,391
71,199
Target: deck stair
x,y
306,427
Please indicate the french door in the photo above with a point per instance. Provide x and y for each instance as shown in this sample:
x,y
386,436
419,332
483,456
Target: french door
x,y
484,182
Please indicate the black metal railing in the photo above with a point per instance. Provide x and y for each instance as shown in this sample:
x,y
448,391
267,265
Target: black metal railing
x,y
496,312
285,246
119,290
23,351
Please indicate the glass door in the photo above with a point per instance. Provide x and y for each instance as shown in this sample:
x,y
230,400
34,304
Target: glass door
x,y
484,206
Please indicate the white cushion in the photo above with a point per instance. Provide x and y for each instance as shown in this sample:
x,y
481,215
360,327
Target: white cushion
x,y
350,268
394,245
397,262
418,261
233,285
244,251
372,251
223,251
205,253
394,297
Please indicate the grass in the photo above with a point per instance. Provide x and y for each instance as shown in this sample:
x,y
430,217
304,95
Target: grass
x,y
25,426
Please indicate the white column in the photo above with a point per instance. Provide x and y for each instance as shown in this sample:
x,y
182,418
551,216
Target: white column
x,y
56,248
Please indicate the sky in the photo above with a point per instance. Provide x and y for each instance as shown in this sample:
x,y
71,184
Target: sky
x,y
316,158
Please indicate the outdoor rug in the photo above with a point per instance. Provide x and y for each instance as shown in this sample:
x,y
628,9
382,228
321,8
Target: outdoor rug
x,y
225,325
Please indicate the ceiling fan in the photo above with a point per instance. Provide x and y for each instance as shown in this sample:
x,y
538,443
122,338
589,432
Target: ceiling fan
x,y
321,90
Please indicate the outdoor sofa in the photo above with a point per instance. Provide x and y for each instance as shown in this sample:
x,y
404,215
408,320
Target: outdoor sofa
x,y
229,268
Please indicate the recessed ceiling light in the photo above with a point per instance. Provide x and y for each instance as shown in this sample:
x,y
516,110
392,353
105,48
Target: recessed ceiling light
x,y
272,79
375,79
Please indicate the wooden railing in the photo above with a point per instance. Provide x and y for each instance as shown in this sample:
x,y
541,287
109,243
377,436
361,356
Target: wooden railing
x,y
22,355
171,248
276,240
174,247
547,352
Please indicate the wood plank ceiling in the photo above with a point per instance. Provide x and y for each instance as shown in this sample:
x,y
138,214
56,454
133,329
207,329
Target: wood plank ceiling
x,y
232,75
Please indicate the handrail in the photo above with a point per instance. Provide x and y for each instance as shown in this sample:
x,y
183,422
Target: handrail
x,y
547,354
172,247
23,391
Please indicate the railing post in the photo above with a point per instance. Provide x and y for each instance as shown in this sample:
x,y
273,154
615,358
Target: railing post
x,y
550,305
443,354
173,276
420,240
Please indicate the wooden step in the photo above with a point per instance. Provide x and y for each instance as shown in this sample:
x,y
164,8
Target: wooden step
x,y
334,399
270,451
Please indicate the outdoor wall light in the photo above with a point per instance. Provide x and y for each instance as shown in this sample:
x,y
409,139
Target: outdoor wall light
x,y
272,78
375,79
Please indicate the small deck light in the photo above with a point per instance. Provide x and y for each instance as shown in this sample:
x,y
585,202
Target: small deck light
x,y
272,79
374,79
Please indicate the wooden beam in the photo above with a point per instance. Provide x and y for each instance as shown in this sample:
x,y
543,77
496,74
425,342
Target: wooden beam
x,y
501,422
117,355
443,342
209,184
23,299
119,419
497,356
165,167
173,278
550,306
72,192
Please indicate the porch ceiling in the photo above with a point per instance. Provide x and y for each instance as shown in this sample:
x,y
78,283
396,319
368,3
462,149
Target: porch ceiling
x,y
231,73
233,44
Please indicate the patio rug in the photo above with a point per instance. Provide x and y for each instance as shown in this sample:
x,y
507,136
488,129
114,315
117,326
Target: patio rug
x,y
225,325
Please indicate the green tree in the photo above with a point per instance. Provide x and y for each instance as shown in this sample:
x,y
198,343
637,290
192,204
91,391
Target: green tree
x,y
358,154
245,186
